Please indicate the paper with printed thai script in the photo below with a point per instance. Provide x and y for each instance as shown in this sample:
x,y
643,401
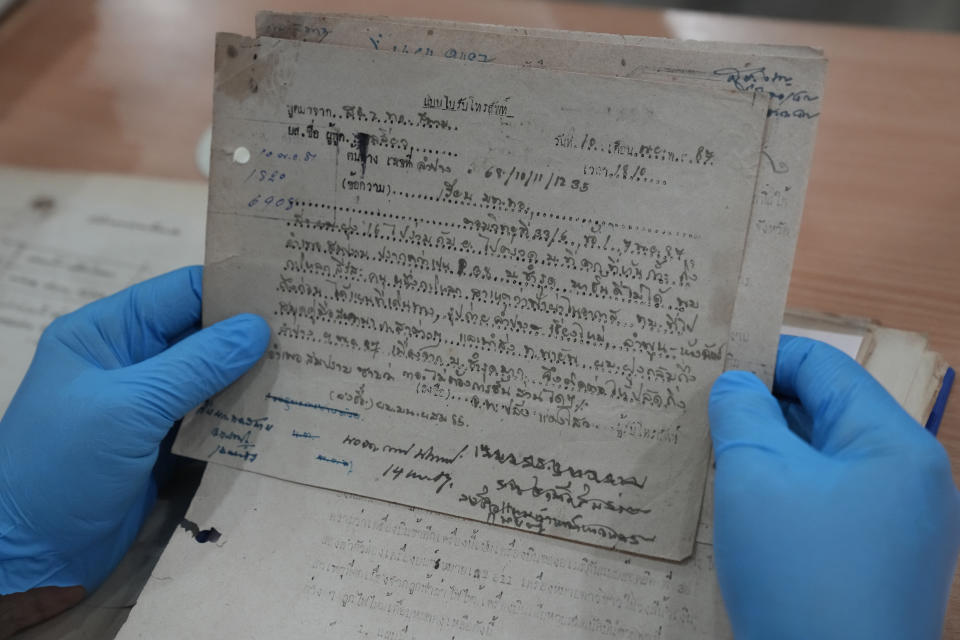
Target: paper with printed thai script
x,y
791,76
500,293
295,561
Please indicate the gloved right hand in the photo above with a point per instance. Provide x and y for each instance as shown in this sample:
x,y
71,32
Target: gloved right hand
x,y
836,514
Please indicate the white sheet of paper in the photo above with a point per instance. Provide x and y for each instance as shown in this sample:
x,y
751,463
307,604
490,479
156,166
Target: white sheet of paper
x,y
496,292
67,239
297,561
849,343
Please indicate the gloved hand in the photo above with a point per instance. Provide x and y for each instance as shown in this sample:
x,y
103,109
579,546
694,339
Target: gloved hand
x,y
79,440
836,515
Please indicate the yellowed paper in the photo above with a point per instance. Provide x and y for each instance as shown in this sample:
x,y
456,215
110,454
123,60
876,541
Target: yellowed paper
x,y
500,293
791,76
295,561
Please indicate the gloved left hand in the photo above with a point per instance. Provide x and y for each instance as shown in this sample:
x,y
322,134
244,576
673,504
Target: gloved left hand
x,y
80,438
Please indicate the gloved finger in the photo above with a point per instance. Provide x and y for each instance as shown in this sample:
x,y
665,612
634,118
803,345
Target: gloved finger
x,y
744,414
844,402
171,383
146,318
797,418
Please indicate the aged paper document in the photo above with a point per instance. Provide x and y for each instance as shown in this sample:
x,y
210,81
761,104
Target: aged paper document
x,y
294,561
496,292
792,77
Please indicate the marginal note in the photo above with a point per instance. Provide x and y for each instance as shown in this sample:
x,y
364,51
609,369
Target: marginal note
x,y
499,293
791,77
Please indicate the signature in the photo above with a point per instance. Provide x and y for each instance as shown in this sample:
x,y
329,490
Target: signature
x,y
777,86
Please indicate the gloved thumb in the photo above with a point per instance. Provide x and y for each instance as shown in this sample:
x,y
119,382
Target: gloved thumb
x,y
849,410
745,415
171,383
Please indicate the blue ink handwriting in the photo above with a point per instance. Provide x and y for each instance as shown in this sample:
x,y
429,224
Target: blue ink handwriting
x,y
347,463
310,405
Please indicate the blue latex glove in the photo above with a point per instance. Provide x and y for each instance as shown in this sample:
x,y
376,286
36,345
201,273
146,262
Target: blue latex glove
x,y
836,515
80,438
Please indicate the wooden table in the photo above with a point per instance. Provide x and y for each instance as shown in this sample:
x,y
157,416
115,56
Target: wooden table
x,y
125,86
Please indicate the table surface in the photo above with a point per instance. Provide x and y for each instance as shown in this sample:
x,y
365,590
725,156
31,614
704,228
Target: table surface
x,y
124,86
